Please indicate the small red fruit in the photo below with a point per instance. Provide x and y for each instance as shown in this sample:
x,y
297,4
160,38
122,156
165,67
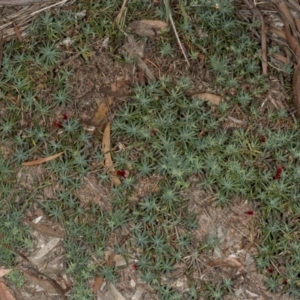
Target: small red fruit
x,y
58,124
121,173
249,212
65,117
278,173
285,282
263,139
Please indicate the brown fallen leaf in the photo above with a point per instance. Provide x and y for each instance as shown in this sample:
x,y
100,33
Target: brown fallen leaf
x,y
147,27
281,58
108,163
3,272
5,293
41,160
227,262
99,119
46,230
216,263
296,89
234,262
212,98
277,31
116,295
98,283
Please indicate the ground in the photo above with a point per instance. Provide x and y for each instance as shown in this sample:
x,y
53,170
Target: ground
x,y
73,236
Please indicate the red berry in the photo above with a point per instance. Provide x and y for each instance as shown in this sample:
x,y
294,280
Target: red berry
x,y
263,139
270,269
278,173
134,267
58,124
121,173
65,117
153,132
249,212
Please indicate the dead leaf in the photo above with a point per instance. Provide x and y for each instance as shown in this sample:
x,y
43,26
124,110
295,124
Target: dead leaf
x,y
121,12
147,27
108,163
98,283
277,31
234,262
3,272
140,290
212,98
227,262
216,263
296,89
99,119
37,257
5,293
280,57
44,281
115,293
297,22
119,261
46,230
41,160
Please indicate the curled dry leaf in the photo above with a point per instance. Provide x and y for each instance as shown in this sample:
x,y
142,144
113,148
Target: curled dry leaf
x,y
147,27
234,262
41,160
98,283
212,98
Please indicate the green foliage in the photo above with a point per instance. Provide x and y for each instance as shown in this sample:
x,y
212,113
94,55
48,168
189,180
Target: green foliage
x,y
16,278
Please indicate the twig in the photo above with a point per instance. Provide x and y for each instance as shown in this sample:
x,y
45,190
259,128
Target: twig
x,y
263,37
21,2
178,40
1,48
52,5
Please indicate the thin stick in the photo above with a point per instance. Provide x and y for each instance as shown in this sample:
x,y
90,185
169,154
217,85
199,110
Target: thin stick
x,y
178,40
52,5
21,2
